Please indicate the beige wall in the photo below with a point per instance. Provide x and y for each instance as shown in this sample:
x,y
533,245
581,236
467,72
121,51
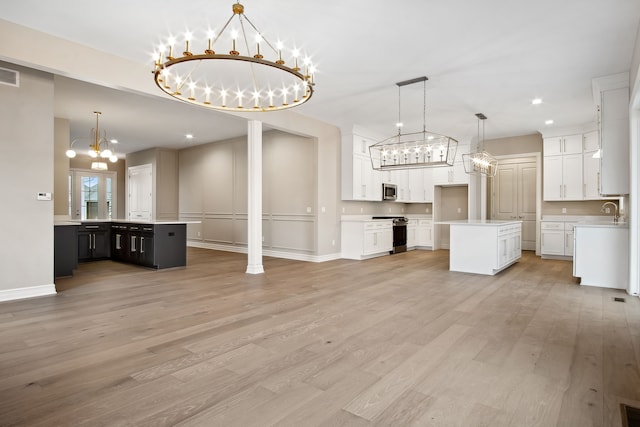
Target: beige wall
x,y
635,62
213,189
61,167
26,150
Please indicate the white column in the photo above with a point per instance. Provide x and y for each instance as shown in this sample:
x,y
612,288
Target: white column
x,y
633,208
254,223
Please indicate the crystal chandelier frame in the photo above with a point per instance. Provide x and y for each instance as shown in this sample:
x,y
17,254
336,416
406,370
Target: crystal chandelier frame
x,y
413,150
480,161
242,80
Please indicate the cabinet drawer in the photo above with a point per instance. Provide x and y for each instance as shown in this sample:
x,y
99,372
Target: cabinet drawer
x,y
378,225
100,226
552,225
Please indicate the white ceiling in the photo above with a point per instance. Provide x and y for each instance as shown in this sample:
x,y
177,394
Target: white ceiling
x,y
493,57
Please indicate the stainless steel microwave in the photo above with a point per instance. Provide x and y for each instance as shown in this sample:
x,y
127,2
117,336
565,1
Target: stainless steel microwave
x,y
389,192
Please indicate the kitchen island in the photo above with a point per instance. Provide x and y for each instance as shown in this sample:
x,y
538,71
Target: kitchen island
x,y
601,254
152,244
483,246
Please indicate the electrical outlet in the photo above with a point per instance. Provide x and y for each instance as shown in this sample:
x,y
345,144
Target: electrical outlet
x,y
459,210
402,210
607,210
389,209
323,209
343,210
427,210
333,243
361,210
198,234
564,210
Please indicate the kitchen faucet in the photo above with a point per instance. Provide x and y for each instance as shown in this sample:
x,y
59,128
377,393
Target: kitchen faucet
x,y
615,212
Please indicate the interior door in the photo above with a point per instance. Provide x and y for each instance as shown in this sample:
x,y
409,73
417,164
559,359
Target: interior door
x,y
140,193
514,196
93,194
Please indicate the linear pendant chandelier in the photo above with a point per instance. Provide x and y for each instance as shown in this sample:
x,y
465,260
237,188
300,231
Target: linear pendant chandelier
x,y
413,150
248,74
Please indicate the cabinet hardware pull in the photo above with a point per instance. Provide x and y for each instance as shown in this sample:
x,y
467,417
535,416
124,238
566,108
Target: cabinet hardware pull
x,y
133,243
92,227
141,245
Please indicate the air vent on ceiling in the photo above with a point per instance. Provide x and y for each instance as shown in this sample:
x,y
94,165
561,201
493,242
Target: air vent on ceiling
x,y
9,77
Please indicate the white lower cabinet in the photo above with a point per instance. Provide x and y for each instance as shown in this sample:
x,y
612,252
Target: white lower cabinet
x,y
366,239
556,238
412,233
425,233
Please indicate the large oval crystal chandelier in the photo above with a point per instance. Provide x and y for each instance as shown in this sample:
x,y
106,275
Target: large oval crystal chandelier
x,y
235,69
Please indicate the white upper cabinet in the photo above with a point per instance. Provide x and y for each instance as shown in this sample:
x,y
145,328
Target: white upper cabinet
x,y
611,96
359,180
591,166
560,145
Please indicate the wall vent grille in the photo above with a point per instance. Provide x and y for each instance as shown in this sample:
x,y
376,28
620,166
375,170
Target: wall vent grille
x,y
9,77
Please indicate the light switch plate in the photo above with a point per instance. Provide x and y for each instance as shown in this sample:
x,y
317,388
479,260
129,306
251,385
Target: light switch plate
x,y
44,196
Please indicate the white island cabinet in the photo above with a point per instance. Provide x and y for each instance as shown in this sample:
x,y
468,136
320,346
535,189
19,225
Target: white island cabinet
x,y
484,246
601,254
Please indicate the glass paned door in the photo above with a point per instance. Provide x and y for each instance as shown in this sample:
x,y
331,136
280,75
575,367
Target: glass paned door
x,y
93,194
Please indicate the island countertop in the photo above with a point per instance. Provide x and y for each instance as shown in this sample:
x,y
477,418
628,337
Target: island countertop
x,y
485,222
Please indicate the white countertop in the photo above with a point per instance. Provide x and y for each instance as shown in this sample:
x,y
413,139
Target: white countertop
x,y
131,221
367,218
487,222
602,224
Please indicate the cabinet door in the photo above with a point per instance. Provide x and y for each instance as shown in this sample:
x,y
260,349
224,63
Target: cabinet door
x,y
146,250
591,174
385,240
552,146
101,244
416,185
552,182
572,177
119,244
412,236
614,159
370,242
427,176
359,187
85,244
572,144
552,242
591,141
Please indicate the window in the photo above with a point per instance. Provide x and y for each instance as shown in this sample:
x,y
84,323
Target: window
x,y
92,194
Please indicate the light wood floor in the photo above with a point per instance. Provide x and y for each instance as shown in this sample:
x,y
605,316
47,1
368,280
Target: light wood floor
x,y
393,341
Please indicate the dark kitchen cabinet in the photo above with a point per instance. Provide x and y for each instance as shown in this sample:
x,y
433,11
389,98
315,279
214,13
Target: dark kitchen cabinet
x,y
94,242
150,245
65,250
119,241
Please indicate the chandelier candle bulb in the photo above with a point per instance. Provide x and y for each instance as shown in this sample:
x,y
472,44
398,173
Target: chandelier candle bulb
x,y
187,39
172,40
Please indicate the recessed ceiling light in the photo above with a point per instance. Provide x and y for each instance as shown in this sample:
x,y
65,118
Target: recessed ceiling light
x,y
189,136
114,141
536,101
548,122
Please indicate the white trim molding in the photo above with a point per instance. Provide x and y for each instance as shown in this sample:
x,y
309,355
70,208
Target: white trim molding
x,y
266,252
29,292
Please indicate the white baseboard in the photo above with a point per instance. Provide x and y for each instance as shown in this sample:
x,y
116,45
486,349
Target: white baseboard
x,y
30,292
265,252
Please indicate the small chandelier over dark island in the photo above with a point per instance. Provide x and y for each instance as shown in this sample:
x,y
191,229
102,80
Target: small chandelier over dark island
x,y
251,74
